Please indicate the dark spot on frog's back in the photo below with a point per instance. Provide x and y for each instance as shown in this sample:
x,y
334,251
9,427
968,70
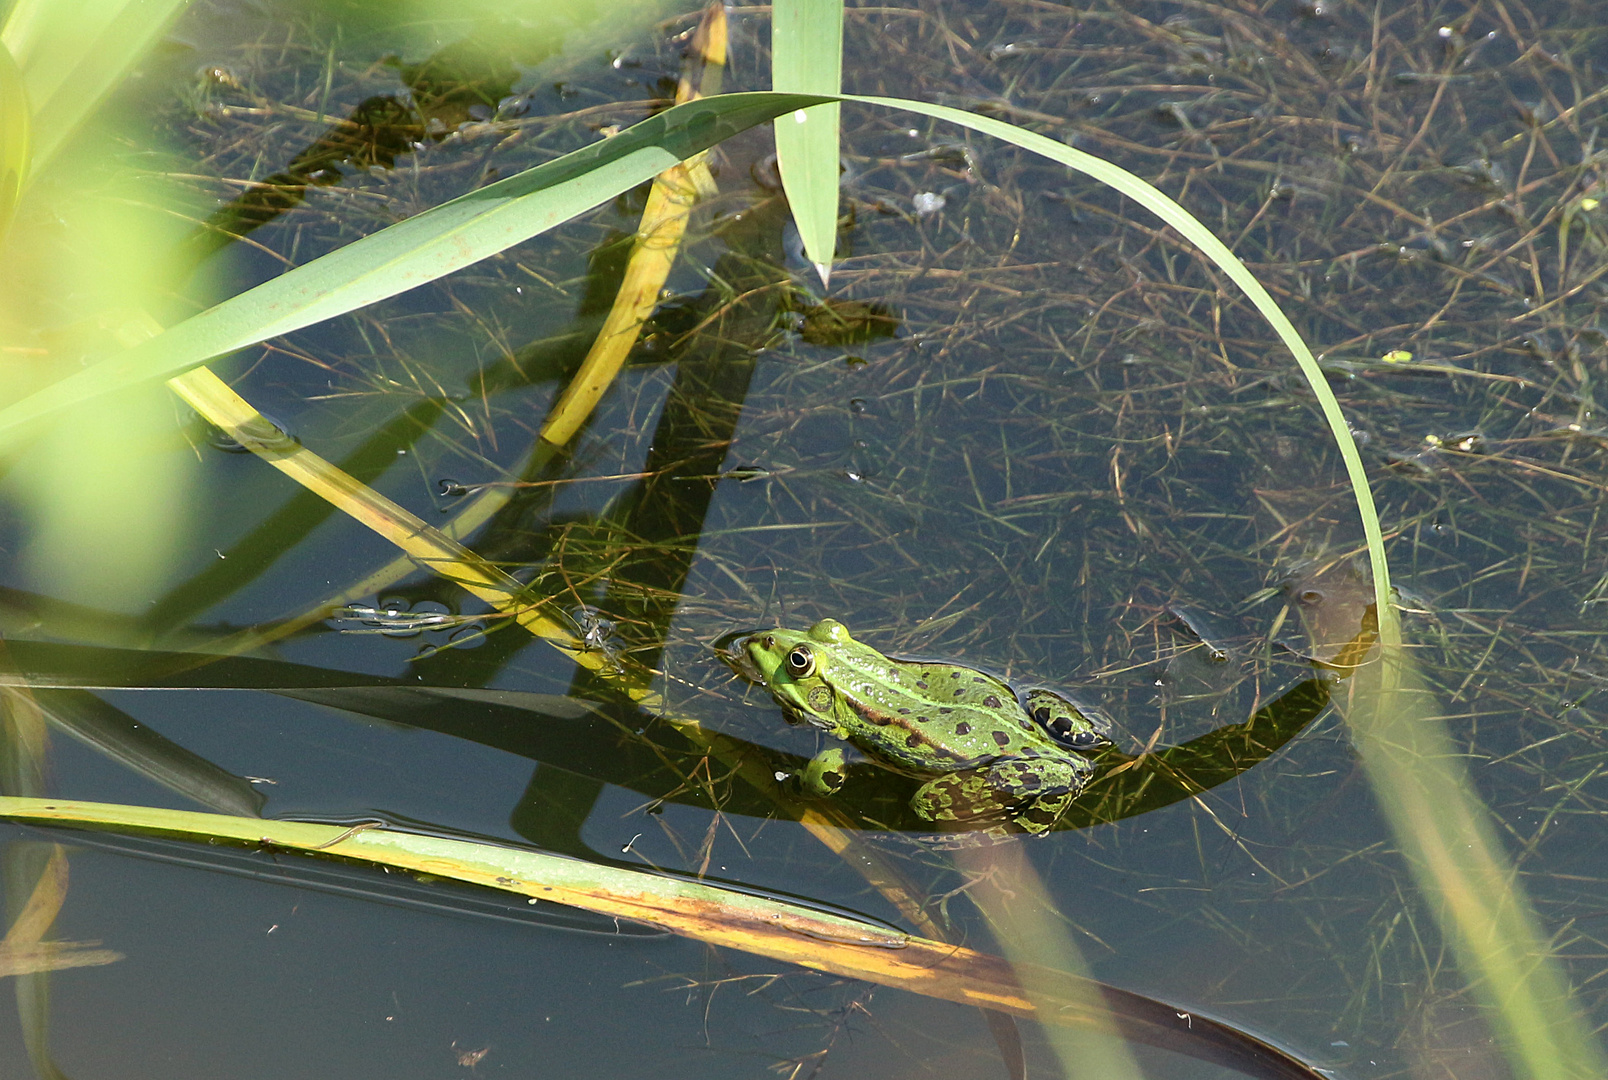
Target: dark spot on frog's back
x,y
1042,714
1002,737
914,741
991,701
963,728
921,684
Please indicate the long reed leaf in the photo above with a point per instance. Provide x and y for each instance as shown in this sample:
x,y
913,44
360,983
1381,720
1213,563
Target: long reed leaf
x,y
807,58
812,938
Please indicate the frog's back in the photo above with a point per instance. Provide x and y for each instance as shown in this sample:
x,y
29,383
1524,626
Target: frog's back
x,y
933,715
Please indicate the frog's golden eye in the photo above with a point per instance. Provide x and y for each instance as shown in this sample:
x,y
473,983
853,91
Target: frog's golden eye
x,y
800,662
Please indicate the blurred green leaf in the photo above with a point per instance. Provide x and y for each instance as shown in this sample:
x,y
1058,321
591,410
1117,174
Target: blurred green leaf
x,y
74,52
14,133
807,58
420,249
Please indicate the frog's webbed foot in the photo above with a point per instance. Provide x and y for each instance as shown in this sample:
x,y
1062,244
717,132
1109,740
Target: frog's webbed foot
x,y
825,772
1029,793
1082,727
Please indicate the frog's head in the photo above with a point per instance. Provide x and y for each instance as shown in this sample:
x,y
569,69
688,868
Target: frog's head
x,y
794,665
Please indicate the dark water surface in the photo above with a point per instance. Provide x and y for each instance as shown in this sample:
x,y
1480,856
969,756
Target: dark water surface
x,y
1047,441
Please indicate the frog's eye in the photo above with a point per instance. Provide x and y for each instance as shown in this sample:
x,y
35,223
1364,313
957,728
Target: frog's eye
x,y
800,662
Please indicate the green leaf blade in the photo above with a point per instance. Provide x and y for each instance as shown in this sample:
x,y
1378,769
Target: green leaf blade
x,y
15,135
807,58
418,250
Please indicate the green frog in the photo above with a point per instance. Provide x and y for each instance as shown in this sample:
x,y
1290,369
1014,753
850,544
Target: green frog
x,y
999,760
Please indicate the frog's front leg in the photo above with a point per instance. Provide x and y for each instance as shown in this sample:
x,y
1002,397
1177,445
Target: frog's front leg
x,y
1032,793
825,772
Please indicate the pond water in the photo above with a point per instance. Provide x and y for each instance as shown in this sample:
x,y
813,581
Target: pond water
x,y
1026,428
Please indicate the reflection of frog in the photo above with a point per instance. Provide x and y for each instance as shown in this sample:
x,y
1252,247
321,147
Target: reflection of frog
x,y
1004,762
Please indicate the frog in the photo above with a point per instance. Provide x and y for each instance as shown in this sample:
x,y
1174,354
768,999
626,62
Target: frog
x,y
993,758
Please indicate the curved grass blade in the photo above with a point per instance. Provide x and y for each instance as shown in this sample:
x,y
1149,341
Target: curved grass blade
x,y
494,218
812,938
807,58
491,219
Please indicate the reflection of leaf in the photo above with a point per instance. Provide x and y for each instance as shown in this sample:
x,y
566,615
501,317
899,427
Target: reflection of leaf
x,y
52,956
360,881
134,745
377,132
24,952
1177,772
255,552
808,937
660,520
55,665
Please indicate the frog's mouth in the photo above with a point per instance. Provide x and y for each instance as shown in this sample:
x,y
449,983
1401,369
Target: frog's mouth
x,y
732,649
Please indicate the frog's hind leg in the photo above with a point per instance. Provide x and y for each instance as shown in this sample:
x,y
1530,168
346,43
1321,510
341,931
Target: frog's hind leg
x,y
1081,727
1030,793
